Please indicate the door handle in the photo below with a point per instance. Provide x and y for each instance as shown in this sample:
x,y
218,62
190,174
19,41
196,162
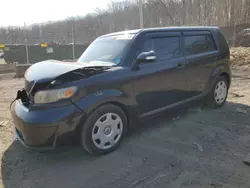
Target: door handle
x,y
180,65
214,58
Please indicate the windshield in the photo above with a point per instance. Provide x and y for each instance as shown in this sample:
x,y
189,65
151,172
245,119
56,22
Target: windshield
x,y
106,50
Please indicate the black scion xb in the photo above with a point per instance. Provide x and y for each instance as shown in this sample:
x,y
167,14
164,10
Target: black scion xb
x,y
120,77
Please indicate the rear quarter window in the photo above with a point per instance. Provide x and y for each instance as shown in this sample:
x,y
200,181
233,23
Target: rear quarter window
x,y
224,47
198,44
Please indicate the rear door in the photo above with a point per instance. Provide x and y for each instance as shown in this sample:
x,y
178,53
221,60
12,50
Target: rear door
x,y
162,83
201,56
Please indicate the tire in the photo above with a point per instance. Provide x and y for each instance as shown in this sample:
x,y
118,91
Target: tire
x,y
214,100
100,130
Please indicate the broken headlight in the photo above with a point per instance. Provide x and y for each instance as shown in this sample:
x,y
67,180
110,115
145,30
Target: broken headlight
x,y
49,96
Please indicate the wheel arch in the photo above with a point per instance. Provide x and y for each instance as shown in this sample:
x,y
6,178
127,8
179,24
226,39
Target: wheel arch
x,y
226,75
128,111
221,70
122,106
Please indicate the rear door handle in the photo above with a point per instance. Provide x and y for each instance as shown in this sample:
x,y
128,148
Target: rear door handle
x,y
214,58
180,65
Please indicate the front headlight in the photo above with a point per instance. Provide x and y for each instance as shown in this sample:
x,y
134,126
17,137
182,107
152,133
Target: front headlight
x,y
49,96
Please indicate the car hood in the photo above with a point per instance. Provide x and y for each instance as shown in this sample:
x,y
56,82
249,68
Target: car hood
x,y
50,69
52,73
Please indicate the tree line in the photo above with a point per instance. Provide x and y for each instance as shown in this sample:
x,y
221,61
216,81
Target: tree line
x,y
125,15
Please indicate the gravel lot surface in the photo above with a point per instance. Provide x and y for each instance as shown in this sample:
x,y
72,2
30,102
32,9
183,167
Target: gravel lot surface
x,y
201,148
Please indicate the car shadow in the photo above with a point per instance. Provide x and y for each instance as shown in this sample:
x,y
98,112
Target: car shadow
x,y
18,163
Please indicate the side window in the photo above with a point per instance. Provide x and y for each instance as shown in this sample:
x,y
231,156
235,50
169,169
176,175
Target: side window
x,y
165,47
148,45
198,44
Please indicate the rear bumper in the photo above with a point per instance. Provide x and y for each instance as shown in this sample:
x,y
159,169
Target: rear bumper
x,y
40,129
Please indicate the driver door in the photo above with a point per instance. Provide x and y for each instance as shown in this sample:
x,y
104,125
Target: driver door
x,y
160,84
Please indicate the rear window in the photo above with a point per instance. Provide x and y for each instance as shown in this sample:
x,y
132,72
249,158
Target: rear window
x,y
198,44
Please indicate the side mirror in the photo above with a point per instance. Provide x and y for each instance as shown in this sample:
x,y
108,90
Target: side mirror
x,y
146,57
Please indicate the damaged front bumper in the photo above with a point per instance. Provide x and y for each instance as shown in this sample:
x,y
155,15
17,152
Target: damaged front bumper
x,y
40,129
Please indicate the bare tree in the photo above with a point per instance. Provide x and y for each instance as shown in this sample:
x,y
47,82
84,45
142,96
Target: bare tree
x,y
167,10
124,15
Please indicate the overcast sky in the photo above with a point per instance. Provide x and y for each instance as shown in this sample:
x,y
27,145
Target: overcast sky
x,y
16,12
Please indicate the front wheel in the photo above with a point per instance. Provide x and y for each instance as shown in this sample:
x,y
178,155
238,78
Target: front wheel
x,y
218,95
104,129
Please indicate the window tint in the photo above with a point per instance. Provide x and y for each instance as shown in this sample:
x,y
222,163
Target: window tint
x,y
165,48
198,44
148,45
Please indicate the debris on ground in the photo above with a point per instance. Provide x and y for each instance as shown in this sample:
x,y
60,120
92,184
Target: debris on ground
x,y
145,159
247,160
176,118
239,56
4,122
241,111
172,165
195,110
216,185
237,95
199,147
201,122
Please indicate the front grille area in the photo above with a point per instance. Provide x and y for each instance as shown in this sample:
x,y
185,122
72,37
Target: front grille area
x,y
23,96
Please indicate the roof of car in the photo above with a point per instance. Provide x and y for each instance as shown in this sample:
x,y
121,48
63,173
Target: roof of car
x,y
187,28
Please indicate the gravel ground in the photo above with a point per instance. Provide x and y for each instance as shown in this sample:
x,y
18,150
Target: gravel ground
x,y
201,148
2,61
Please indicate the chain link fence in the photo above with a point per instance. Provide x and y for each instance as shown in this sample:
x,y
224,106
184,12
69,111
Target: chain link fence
x,y
237,35
36,53
30,44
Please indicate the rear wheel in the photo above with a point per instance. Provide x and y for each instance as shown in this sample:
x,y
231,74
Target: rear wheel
x,y
104,129
218,95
